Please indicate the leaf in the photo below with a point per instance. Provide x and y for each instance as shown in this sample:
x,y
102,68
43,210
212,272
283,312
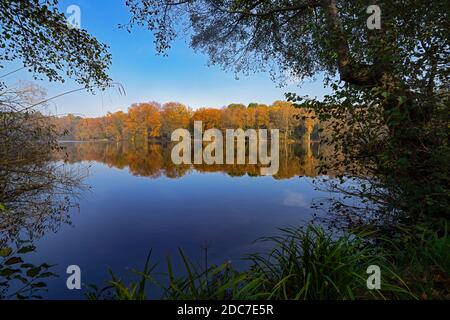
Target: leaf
x,y
33,272
401,100
21,278
4,252
13,260
3,208
8,272
27,249
47,275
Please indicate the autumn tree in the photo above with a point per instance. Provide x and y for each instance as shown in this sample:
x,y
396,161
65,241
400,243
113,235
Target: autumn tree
x,y
91,129
115,125
144,121
174,115
262,117
285,115
67,126
236,106
210,117
233,116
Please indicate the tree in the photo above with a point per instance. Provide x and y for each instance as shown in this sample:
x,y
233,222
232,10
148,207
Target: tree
x,y
262,117
66,127
174,116
284,113
210,118
115,125
144,120
236,106
91,129
38,35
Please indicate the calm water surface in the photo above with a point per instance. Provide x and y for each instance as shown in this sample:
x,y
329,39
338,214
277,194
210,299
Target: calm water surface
x,y
138,200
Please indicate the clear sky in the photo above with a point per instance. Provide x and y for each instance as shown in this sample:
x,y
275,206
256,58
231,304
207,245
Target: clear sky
x,y
182,76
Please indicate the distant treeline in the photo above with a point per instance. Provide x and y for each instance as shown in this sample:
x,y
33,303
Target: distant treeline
x,y
151,120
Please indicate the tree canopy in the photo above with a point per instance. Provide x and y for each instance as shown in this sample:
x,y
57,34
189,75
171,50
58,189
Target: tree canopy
x,y
305,37
37,34
148,120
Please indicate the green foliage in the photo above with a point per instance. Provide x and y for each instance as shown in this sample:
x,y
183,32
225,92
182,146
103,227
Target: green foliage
x,y
38,35
18,279
422,257
401,156
236,106
312,264
302,38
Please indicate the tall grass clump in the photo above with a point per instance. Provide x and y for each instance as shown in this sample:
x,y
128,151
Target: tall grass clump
x,y
304,264
311,264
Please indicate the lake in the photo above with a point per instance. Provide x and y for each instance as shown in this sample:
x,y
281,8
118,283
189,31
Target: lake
x,y
139,200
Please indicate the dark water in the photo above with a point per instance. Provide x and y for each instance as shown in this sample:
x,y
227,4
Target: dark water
x,y
139,201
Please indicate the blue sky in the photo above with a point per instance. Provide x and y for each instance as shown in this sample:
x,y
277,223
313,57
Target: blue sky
x,y
181,76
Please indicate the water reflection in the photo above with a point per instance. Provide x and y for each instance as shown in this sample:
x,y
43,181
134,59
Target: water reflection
x,y
36,198
125,215
154,161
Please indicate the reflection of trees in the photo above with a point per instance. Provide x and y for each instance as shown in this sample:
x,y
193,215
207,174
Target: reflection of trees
x,y
153,160
34,192
37,200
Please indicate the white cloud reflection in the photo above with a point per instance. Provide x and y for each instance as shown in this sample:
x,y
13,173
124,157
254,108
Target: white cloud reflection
x,y
295,199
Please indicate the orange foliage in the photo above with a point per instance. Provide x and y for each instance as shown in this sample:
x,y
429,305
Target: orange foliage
x,y
146,121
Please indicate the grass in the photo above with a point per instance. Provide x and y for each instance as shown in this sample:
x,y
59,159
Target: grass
x,y
423,259
306,264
